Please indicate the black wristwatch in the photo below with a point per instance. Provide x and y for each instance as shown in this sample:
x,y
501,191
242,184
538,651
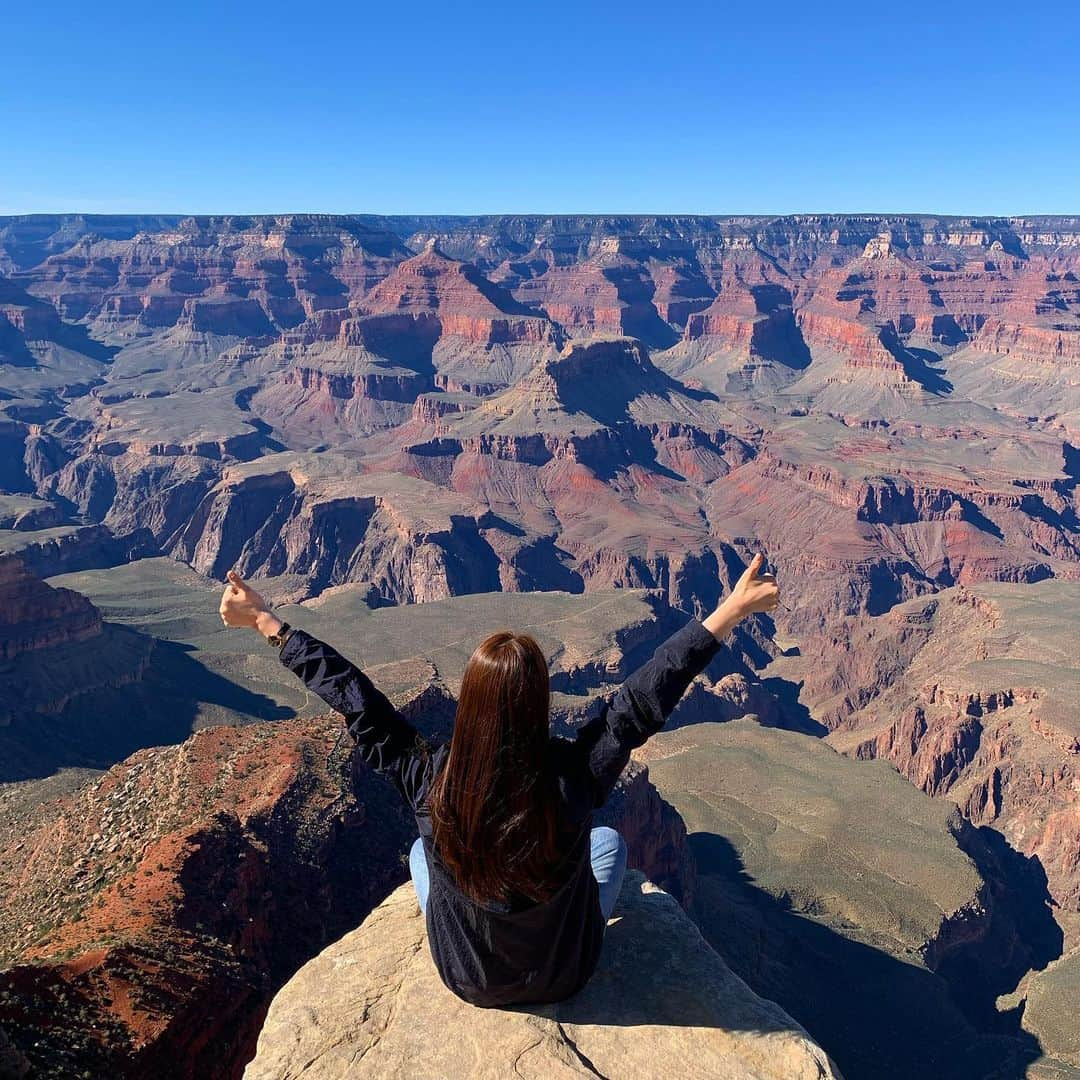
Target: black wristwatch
x,y
279,639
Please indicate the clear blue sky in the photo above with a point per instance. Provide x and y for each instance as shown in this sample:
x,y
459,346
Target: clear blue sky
x,y
416,107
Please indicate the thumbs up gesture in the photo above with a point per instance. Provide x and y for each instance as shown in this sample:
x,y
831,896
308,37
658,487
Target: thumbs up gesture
x,y
755,591
240,604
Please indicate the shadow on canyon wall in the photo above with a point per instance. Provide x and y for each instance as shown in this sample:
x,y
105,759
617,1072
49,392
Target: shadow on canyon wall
x,y
919,364
1023,935
795,716
879,1017
99,728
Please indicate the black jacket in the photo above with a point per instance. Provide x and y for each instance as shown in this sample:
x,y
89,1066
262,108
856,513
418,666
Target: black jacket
x,y
524,951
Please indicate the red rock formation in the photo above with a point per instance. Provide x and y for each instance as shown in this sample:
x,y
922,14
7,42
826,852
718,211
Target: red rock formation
x,y
149,918
654,832
27,315
459,299
428,409
611,292
1004,304
375,383
751,314
147,928
1059,346
680,290
860,343
26,325
895,459
289,268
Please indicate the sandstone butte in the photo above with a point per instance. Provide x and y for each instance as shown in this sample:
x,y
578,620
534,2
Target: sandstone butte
x,y
661,1003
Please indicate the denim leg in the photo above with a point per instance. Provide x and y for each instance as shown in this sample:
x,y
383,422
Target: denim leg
x,y
418,867
608,855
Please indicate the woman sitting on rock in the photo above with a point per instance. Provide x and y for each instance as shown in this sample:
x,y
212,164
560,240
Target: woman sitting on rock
x,y
515,884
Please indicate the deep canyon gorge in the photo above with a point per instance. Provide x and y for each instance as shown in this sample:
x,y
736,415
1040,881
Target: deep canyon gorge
x,y
408,430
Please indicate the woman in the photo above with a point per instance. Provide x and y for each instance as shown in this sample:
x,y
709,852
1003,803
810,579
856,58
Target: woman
x,y
515,884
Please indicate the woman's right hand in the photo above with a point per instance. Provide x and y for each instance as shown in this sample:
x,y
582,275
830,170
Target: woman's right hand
x,y
241,605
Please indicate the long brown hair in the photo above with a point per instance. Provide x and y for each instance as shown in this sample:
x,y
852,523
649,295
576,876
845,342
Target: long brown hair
x,y
492,806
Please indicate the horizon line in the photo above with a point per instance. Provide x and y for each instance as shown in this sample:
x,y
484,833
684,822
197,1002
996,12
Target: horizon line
x,y
6,213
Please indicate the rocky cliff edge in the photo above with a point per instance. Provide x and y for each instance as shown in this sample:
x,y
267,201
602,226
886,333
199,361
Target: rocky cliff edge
x,y
661,1003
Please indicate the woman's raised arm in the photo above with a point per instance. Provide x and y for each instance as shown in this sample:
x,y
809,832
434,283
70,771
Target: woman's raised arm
x,y
647,698
384,738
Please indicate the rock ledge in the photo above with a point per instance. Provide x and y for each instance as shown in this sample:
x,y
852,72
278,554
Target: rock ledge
x,y
662,1003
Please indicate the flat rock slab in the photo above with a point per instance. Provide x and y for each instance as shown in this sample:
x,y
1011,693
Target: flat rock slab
x,y
661,1003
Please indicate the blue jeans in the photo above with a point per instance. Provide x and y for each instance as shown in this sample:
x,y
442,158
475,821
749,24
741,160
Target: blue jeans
x,y
607,852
